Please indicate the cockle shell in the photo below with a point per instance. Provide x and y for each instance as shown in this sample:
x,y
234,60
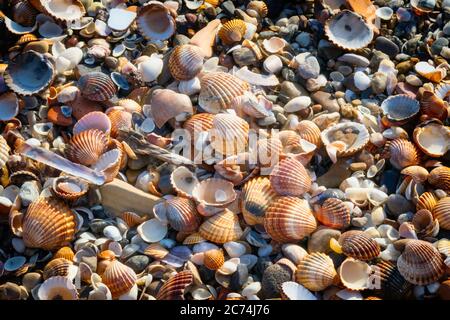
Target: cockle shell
x,y
334,213
316,272
256,196
97,86
129,105
64,10
365,8
417,173
258,7
442,213
433,139
440,177
213,259
4,151
427,200
109,164
181,214
183,181
24,13
400,108
221,227
426,70
214,192
56,267
269,152
58,288
354,274
420,263
443,91
93,120
120,119
392,283
155,21
229,134
433,106
70,188
289,219
425,224
290,178
119,278
358,245
168,104
175,287
156,251
401,153
185,62
199,122
309,131
132,219
232,31
9,106
87,147
66,253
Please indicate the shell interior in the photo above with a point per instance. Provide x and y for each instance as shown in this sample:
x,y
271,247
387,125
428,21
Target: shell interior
x,y
400,107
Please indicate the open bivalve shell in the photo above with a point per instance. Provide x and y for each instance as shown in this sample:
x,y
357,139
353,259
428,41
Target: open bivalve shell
x,y
155,21
57,288
400,108
183,181
214,192
354,274
70,188
433,139
64,10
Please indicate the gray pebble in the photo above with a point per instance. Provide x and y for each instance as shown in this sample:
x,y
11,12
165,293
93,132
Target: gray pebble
x,y
274,276
244,57
387,46
398,204
138,263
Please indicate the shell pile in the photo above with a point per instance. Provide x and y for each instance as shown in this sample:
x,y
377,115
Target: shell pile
x,y
224,150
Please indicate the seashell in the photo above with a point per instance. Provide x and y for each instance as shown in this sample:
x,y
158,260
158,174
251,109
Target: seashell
x,y
57,288
348,31
129,105
433,139
316,272
443,246
26,38
400,107
214,192
293,291
183,181
256,197
274,45
213,259
64,10
440,177
424,224
66,253
442,213
120,119
93,120
417,173
120,19
70,188
392,284
272,64
87,147
205,38
29,66
132,219
232,31
256,79
290,178
356,244
334,213
442,91
119,278
199,122
218,90
150,68
97,86
289,219
56,267
152,230
185,62
156,251
167,104
9,106
109,164
258,7
433,106
24,13
427,200
4,151
420,263
384,13
268,152
229,134
429,72
181,214
255,107
309,131
155,21
221,227
401,153
176,286
354,274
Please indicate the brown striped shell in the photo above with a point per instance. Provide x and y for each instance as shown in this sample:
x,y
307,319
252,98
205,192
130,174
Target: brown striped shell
x,y
232,31
87,147
182,214
259,7
401,153
229,134
392,284
119,278
433,106
70,188
420,263
132,219
56,267
65,252
97,86
199,122
175,287
289,219
316,272
129,105
185,62
4,151
309,131
218,90
256,196
221,227
440,177
290,178
120,119
427,200
156,251
425,224
442,213
168,104
358,245
334,213
213,259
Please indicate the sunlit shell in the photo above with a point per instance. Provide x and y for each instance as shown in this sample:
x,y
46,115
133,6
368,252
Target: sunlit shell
x,y
155,21
256,196
29,73
354,274
199,122
433,139
289,219
269,151
183,181
348,31
229,134
132,219
365,8
87,147
426,70
70,188
258,7
214,192
57,288
218,90
156,251
181,214
4,151
9,106
185,62
358,245
168,104
417,173
64,10
400,107
120,119
433,106
290,178
401,153
440,177
232,31
316,272
213,259
334,213
26,38
175,287
443,246
119,278
65,252
109,164
129,105
24,13
56,267
443,91
427,200
193,239
93,120
221,227
425,224
420,263
97,86
309,131
392,283
442,213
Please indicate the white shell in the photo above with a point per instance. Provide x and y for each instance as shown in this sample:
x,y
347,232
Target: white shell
x,y
234,249
120,19
273,64
111,232
295,291
189,87
297,104
152,230
256,79
362,81
151,68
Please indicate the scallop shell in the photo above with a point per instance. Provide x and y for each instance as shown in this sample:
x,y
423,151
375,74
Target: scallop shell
x,y
424,224
64,10
427,200
232,31
433,139
400,108
417,173
309,131
256,196
316,272
214,192
97,86
156,251
109,164
132,219
358,245
183,181
290,178
24,13
433,106
57,288
269,152
442,213
354,274
9,106
334,213
93,120
440,178
182,215
185,62
401,153
129,105
168,104
221,227
348,31
155,21
119,278
420,263
289,219
229,134
258,7
218,90
4,151
365,8
199,122
213,259
87,147
26,38
29,73
120,119
66,253
56,267
175,287
392,284
70,188
426,70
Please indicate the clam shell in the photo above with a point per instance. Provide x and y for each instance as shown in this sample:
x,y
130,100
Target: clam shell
x,y
109,164
183,181
9,106
433,139
155,21
429,72
26,38
167,104
132,219
256,197
433,106
152,230
268,152
289,219
316,272
175,287
129,105
417,173
56,267
425,224
427,200
334,213
70,188
93,120
290,178
356,244
120,119
293,291
442,213
185,62
119,278
66,253
420,263
354,274
24,13
400,107
214,192
64,10
353,135
229,134
150,68
4,151
401,153
213,259
309,131
57,288
97,86
87,147
156,251
232,31
274,45
440,177
120,19
348,31
218,90
199,122
392,284
182,215
221,227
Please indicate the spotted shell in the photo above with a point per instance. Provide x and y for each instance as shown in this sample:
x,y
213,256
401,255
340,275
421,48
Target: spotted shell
x,y
289,219
427,200
221,227
175,287
199,122
309,131
119,278
70,188
120,119
290,178
97,86
392,284
182,214
213,259
401,153
316,272
232,31
229,134
56,267
334,213
425,224
256,196
64,10
442,213
420,263
87,147
218,90
358,245
185,62
66,253
440,178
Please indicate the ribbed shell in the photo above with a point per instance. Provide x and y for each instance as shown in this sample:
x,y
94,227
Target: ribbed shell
x,y
120,119
418,173
440,178
259,6
132,219
425,224
175,287
29,37
392,284
221,227
269,152
334,213
87,147
70,188
93,120
358,245
49,224
24,13
182,214
57,288
433,106
185,62
229,134
119,278
309,131
232,31
333,133
130,105
206,192
109,163
56,267
289,219
218,90
97,86
420,263
290,178
400,108
442,212
316,272
64,10
198,123
4,151
401,153
427,200
66,253
256,196
156,251
213,259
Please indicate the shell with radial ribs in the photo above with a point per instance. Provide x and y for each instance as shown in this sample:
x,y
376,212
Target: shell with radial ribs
x,y
433,106
97,86
64,252
442,213
57,288
120,119
185,62
213,259
4,151
258,7
221,227
175,287
425,224
56,267
199,122
392,284
229,134
182,214
256,196
132,219
24,13
440,178
70,188
353,135
358,245
232,31
401,153
316,272
309,131
334,213
119,278
87,147
290,178
427,200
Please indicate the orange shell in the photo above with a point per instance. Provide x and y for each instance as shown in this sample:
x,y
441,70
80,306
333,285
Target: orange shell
x,y
232,31
120,118
260,7
87,147
309,131
156,251
316,272
182,214
440,178
290,178
221,227
175,287
132,219
56,267
401,153
129,105
119,278
442,213
433,106
185,62
425,224
427,200
66,253
199,122
229,134
358,245
256,196
213,259
334,213
418,173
